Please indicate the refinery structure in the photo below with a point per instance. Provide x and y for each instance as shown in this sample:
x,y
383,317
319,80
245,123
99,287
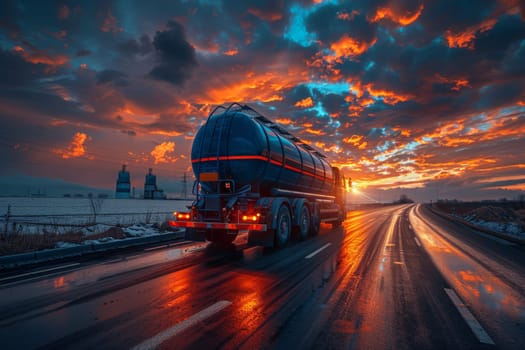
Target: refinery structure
x,y
124,189
151,191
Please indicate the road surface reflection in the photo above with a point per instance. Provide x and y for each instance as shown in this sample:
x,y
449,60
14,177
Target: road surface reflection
x,y
475,283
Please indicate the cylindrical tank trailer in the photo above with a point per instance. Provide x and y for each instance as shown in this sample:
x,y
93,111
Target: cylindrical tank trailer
x,y
251,174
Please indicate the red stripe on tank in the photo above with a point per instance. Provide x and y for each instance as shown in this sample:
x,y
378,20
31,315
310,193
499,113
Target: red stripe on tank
x,y
274,162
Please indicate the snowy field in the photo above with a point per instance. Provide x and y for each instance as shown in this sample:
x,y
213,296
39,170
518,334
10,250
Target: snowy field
x,y
37,215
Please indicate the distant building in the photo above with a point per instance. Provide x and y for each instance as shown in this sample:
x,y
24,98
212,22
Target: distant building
x,y
150,187
123,184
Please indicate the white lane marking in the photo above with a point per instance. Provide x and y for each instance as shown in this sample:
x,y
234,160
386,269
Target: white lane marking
x,y
417,241
474,325
309,256
155,248
200,316
39,271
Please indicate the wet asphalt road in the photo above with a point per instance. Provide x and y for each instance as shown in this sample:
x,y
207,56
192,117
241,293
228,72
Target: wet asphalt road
x,y
397,277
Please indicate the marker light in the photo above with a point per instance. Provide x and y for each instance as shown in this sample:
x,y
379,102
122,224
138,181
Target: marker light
x,y
251,217
183,216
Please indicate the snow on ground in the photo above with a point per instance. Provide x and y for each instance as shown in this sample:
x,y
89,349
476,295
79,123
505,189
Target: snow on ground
x,y
501,220
95,229
91,216
140,230
508,228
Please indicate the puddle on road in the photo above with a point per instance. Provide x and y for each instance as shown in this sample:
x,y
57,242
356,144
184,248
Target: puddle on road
x,y
98,272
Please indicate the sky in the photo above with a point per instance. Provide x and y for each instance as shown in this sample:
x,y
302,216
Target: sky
x,y
419,97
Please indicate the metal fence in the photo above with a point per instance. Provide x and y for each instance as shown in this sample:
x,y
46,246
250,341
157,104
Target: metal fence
x,y
58,223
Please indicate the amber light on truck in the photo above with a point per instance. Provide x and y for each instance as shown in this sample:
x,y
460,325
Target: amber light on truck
x,y
251,217
182,216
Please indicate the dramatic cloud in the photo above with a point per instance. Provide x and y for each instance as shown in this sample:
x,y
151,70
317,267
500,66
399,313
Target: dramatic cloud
x,y
176,56
161,152
421,96
77,147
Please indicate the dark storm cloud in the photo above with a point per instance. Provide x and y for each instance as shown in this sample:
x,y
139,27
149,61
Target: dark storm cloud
x,y
8,15
176,56
328,27
439,16
15,71
169,123
334,104
141,46
110,75
499,95
47,104
412,68
495,43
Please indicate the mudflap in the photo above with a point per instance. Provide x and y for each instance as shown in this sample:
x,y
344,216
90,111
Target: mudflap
x,y
261,238
195,235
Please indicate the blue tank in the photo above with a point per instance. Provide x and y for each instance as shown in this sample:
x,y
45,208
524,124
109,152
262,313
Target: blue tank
x,y
239,144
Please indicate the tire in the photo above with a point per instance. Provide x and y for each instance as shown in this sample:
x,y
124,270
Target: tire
x,y
304,223
339,221
283,227
315,222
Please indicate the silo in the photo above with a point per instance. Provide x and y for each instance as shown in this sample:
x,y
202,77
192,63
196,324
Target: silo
x,y
123,189
150,187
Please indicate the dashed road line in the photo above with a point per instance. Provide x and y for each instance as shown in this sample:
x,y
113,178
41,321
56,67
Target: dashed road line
x,y
309,256
417,241
160,338
474,325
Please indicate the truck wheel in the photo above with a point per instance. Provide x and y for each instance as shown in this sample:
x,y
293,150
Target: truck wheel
x,y
304,223
282,231
315,222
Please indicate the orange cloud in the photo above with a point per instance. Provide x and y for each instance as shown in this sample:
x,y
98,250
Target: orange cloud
x,y
458,84
347,46
465,39
231,52
42,57
356,140
166,133
265,87
267,16
404,19
403,132
160,152
389,97
76,148
305,103
314,131
284,121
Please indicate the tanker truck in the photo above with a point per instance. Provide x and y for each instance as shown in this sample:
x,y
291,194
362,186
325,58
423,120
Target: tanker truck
x,y
253,175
